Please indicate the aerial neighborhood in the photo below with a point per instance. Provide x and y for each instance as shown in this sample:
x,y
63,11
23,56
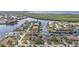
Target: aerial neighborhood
x,y
39,30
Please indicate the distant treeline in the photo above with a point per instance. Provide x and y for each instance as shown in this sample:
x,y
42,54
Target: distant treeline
x,y
56,17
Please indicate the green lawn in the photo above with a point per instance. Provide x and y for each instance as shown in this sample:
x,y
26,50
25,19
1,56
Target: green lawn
x,y
58,17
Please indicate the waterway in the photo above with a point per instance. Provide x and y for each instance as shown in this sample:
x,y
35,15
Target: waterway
x,y
7,28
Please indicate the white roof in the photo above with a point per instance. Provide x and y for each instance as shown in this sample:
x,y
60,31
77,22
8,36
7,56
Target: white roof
x,y
50,22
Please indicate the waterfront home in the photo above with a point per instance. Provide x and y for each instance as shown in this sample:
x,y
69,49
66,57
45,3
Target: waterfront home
x,y
15,34
36,24
35,27
19,17
12,17
67,27
50,23
56,26
7,20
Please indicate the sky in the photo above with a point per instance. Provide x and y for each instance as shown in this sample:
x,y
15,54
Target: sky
x,y
56,12
45,12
